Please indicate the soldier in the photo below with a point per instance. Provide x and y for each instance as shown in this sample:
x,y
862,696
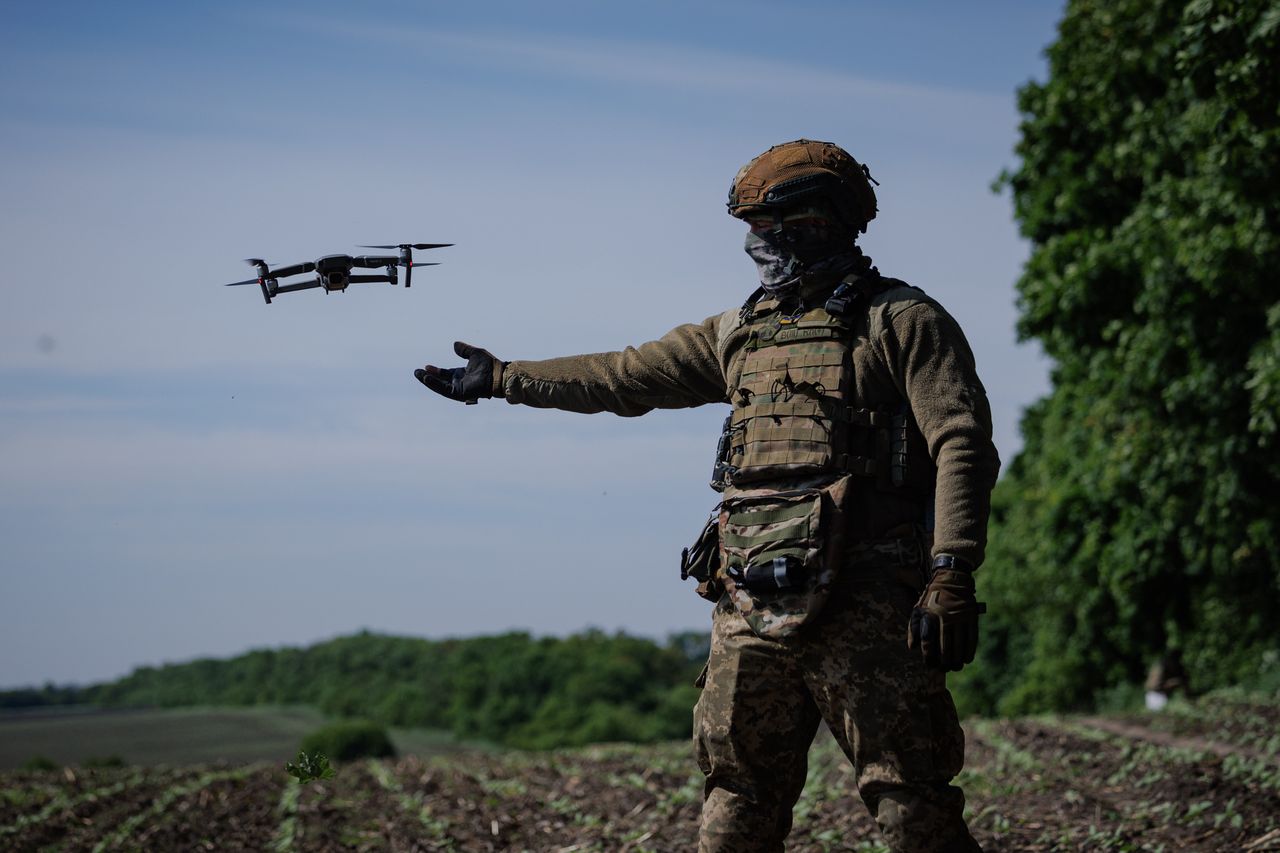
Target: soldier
x,y
856,467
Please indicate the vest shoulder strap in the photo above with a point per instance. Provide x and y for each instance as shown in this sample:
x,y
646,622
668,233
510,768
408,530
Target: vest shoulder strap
x,y
857,289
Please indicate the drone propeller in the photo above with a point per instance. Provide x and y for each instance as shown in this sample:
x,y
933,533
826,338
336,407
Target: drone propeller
x,y
253,262
410,246
264,278
408,271
406,256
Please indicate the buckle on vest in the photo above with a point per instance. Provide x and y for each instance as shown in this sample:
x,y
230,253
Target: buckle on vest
x,y
837,305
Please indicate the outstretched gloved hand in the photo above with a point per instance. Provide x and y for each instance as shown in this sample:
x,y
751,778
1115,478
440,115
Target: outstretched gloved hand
x,y
482,377
944,623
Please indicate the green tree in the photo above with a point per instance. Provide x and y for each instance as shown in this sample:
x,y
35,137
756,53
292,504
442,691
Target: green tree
x,y
1142,511
348,740
511,689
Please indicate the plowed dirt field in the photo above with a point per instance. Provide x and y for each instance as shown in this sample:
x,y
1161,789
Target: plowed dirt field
x,y
1203,777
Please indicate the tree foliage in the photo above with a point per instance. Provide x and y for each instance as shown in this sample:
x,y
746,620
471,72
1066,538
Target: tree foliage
x,y
1142,513
345,740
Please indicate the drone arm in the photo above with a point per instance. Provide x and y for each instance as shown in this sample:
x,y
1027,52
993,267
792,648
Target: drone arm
x,y
289,288
370,262
370,279
293,269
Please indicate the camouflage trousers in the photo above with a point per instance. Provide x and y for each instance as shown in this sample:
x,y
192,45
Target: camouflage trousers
x,y
762,702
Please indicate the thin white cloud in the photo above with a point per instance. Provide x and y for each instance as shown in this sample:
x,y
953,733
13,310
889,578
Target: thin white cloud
x,y
663,64
375,443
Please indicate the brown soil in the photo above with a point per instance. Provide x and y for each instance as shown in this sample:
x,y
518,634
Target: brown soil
x,y
92,808
604,800
227,815
1109,793
27,793
1032,785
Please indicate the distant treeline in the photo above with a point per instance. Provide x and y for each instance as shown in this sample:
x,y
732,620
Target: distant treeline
x,y
510,689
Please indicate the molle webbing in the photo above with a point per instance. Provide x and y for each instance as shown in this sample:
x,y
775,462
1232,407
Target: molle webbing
x,y
798,433
792,361
757,530
771,526
818,410
792,414
790,417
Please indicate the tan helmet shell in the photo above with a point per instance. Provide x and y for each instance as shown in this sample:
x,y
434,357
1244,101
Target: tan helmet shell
x,y
802,172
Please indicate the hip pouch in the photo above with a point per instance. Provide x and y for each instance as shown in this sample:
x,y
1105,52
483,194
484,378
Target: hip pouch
x,y
702,561
779,552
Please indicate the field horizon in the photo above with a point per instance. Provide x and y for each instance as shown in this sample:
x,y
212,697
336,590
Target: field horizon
x,y
79,735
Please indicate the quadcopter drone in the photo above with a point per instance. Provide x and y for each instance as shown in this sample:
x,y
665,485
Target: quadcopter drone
x,y
333,272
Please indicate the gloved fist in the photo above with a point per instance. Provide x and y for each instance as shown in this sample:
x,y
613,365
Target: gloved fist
x,y
944,623
482,377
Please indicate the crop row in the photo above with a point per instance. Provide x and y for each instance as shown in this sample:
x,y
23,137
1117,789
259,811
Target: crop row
x,y
1033,785
1053,784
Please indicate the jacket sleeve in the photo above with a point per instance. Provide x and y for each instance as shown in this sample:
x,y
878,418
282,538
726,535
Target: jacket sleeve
x,y
936,368
679,370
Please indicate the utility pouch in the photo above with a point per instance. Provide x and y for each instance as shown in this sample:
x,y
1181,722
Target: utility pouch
x,y
702,561
779,551
909,471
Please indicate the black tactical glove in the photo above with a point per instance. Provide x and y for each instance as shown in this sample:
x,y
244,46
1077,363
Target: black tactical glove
x,y
944,623
482,377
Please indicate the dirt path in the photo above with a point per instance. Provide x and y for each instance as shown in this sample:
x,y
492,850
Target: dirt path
x,y
1054,786
1193,744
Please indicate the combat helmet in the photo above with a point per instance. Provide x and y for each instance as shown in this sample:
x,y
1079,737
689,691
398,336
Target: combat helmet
x,y
805,172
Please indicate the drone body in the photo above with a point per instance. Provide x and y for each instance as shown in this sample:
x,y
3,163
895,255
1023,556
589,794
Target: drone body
x,y
333,272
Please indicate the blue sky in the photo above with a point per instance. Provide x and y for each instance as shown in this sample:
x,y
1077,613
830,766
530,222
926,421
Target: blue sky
x,y
187,471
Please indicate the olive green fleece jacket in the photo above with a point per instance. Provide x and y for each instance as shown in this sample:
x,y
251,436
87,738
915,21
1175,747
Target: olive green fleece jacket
x,y
906,347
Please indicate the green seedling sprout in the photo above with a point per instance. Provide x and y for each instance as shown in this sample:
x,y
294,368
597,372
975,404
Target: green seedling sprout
x,y
310,767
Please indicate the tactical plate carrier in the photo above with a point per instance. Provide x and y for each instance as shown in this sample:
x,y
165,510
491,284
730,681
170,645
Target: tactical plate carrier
x,y
797,459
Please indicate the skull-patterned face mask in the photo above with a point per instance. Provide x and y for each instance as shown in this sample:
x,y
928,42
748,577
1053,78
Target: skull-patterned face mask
x,y
802,240
778,268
